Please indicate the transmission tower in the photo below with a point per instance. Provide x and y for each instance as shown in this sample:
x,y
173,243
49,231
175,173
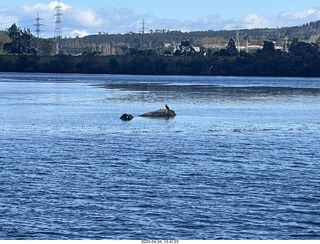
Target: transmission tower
x,y
238,40
38,26
58,30
285,44
38,30
143,27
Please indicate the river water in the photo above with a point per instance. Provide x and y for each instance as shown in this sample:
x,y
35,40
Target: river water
x,y
239,161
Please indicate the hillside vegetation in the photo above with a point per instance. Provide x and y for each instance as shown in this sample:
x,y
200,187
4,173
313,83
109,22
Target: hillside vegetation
x,y
164,40
161,41
168,53
4,38
302,59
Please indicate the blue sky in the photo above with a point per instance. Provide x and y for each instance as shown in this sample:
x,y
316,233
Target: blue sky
x,y
83,17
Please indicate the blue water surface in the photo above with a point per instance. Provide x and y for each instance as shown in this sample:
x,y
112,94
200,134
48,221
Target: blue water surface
x,y
239,161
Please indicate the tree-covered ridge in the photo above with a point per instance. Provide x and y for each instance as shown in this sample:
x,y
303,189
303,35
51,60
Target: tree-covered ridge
x,y
118,44
161,41
302,59
144,57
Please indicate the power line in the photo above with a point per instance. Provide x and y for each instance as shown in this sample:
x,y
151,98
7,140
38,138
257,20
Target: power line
x,y
38,30
58,29
238,45
38,26
143,27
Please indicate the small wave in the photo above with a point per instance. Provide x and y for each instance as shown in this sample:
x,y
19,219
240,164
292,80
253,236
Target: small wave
x,y
263,129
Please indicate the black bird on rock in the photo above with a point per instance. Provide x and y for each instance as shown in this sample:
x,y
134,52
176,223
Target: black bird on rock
x,y
167,107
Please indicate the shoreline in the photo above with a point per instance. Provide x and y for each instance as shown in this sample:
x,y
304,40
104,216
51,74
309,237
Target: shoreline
x,y
164,75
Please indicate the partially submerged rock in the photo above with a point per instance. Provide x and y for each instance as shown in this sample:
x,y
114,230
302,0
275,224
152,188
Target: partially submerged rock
x,y
126,117
161,113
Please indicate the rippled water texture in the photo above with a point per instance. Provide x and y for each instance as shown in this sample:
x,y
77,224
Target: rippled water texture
x,y
240,160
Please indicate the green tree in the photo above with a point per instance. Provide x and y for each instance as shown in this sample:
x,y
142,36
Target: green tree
x,y
113,64
302,49
4,38
21,41
268,47
231,49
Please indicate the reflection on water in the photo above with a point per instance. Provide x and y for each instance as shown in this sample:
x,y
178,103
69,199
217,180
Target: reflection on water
x,y
239,161
157,92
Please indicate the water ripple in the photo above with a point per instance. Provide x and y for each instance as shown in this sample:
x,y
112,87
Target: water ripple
x,y
227,167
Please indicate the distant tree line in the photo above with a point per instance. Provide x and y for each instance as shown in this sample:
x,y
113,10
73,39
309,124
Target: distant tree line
x,y
301,59
309,31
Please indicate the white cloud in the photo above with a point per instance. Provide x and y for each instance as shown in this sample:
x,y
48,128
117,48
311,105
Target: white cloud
x,y
120,20
281,20
79,33
41,7
305,14
80,21
107,19
209,22
255,21
6,19
83,17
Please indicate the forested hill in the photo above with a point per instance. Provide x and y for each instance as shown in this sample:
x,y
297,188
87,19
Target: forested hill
x,y
160,40
304,32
